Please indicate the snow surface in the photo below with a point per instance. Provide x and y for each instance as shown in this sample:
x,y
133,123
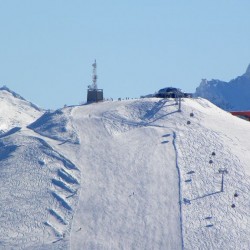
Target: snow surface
x,y
15,111
134,174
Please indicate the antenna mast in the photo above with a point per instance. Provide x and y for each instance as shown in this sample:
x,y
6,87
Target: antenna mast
x,y
94,77
94,94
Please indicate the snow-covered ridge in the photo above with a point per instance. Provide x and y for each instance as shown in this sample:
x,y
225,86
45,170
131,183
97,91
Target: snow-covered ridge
x,y
12,92
16,111
19,97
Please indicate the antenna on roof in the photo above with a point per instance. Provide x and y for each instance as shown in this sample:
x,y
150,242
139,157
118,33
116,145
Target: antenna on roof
x,y
94,94
94,77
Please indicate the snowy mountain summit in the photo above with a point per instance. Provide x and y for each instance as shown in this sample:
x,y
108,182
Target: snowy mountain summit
x,y
134,174
232,96
15,111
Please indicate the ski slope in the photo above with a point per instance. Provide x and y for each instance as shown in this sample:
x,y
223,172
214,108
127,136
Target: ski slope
x,y
130,174
134,174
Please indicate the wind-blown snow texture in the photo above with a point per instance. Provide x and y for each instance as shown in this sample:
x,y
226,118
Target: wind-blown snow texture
x,y
15,111
232,96
134,174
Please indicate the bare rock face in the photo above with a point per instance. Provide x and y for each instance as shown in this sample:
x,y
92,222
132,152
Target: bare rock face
x,y
232,96
247,74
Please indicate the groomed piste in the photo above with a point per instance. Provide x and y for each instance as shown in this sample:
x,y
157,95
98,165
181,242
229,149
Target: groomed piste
x,y
132,174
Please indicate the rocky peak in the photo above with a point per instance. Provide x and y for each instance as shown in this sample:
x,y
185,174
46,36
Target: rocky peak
x,y
247,74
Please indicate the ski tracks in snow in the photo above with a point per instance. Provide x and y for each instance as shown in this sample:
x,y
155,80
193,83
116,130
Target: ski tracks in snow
x,y
180,189
132,183
212,218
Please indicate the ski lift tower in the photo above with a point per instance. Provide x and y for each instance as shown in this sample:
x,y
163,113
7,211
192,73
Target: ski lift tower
x,y
94,94
222,171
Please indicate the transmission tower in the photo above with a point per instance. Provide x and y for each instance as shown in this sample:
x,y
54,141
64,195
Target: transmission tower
x,y
94,77
94,94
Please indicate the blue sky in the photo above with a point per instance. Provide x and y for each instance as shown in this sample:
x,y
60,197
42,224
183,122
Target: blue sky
x,y
48,47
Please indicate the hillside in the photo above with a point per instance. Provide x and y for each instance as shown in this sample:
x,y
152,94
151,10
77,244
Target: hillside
x,y
127,175
15,110
233,95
